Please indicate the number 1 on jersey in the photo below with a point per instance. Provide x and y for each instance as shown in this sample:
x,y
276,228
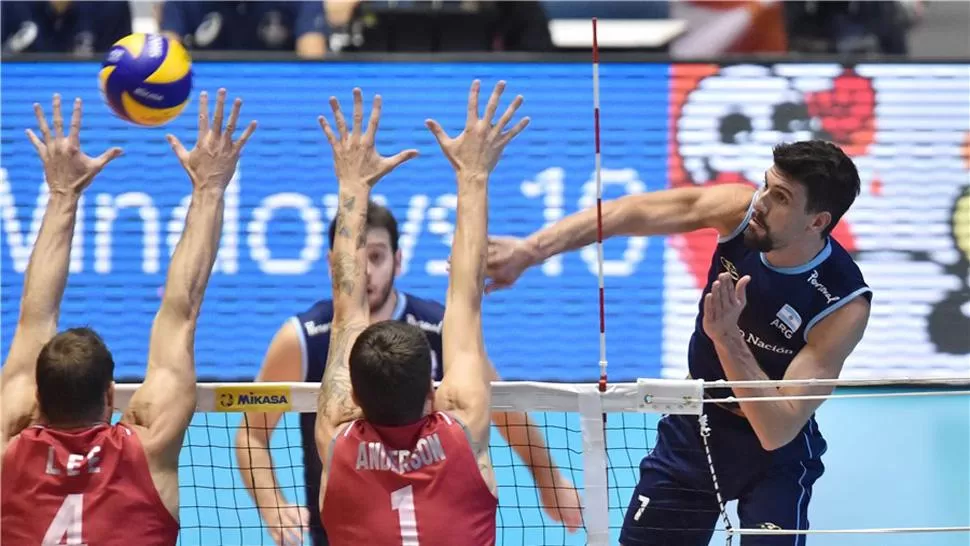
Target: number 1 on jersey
x,y
65,530
402,501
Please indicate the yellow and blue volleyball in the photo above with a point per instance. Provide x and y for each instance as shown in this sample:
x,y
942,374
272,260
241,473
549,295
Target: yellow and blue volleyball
x,y
146,79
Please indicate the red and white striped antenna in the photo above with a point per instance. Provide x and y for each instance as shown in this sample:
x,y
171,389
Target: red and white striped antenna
x,y
599,210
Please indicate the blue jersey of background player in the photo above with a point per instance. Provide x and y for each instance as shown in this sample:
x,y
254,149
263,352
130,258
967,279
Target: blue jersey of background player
x,y
783,301
298,353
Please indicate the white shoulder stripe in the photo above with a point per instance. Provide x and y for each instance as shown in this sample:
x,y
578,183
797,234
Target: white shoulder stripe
x,y
833,308
301,336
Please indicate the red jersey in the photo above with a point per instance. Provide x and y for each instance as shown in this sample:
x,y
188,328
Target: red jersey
x,y
84,486
412,485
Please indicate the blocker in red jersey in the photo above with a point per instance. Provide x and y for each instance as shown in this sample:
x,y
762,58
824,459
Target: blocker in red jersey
x,y
403,463
69,477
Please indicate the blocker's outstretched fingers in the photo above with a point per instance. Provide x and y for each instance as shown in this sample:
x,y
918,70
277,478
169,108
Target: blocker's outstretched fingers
x,y
331,138
250,129
58,118
233,118
42,124
217,117
75,133
203,116
338,118
473,104
375,120
493,101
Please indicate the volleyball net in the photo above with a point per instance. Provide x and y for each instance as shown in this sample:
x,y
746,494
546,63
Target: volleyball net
x,y
600,461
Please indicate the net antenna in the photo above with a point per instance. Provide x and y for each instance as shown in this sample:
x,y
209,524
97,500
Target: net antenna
x,y
599,211
597,169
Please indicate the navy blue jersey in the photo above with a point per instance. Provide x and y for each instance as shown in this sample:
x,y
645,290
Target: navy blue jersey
x,y
313,326
783,303
243,25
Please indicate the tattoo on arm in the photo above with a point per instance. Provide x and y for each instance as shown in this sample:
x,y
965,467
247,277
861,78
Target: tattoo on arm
x,y
350,318
336,401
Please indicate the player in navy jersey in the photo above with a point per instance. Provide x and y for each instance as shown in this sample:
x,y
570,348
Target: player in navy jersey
x,y
783,300
298,352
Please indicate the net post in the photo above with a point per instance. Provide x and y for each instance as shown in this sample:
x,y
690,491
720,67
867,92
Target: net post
x,y
596,506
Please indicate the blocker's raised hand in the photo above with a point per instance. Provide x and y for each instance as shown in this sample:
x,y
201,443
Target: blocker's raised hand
x,y
478,148
355,157
67,169
212,162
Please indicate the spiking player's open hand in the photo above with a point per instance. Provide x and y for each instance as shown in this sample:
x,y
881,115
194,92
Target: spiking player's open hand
x,y
723,306
67,169
212,162
477,149
355,157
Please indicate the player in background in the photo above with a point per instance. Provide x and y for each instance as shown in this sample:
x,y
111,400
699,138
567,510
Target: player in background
x,y
68,475
404,463
298,353
783,300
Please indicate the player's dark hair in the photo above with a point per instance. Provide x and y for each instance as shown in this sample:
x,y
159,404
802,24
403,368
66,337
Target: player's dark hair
x,y
378,216
74,371
390,372
829,176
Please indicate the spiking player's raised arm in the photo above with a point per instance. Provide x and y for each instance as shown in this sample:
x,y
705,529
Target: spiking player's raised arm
x,y
358,167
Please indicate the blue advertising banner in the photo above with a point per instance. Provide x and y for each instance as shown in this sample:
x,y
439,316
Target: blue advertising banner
x,y
272,261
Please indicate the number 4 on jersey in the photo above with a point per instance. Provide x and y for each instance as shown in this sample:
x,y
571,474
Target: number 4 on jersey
x,y
65,530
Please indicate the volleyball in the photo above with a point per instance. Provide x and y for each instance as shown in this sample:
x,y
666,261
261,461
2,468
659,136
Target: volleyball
x,y
146,79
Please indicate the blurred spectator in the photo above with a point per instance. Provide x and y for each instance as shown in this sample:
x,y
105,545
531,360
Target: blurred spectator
x,y
849,27
729,27
63,26
607,9
298,26
427,26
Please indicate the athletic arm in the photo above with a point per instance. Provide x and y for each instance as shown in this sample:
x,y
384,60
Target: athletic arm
x,y
282,363
830,342
466,387
528,442
166,400
680,210
358,167
44,283
67,172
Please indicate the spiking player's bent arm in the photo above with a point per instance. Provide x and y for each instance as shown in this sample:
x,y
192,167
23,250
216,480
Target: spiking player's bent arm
x,y
830,342
466,387
358,167
653,213
162,407
67,171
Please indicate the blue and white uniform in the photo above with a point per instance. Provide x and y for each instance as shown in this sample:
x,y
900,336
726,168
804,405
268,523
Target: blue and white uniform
x,y
772,488
313,326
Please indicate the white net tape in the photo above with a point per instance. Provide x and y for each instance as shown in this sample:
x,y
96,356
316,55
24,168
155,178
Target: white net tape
x,y
604,480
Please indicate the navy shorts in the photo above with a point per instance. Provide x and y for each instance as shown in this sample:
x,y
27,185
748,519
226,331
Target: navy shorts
x,y
674,502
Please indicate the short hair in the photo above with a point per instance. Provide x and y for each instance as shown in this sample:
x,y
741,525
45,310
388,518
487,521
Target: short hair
x,y
390,372
830,178
378,216
74,371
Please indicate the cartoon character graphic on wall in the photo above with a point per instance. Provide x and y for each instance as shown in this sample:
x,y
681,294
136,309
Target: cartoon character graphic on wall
x,y
726,119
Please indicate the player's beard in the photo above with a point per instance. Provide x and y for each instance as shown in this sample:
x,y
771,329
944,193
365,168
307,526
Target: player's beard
x,y
384,296
760,241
